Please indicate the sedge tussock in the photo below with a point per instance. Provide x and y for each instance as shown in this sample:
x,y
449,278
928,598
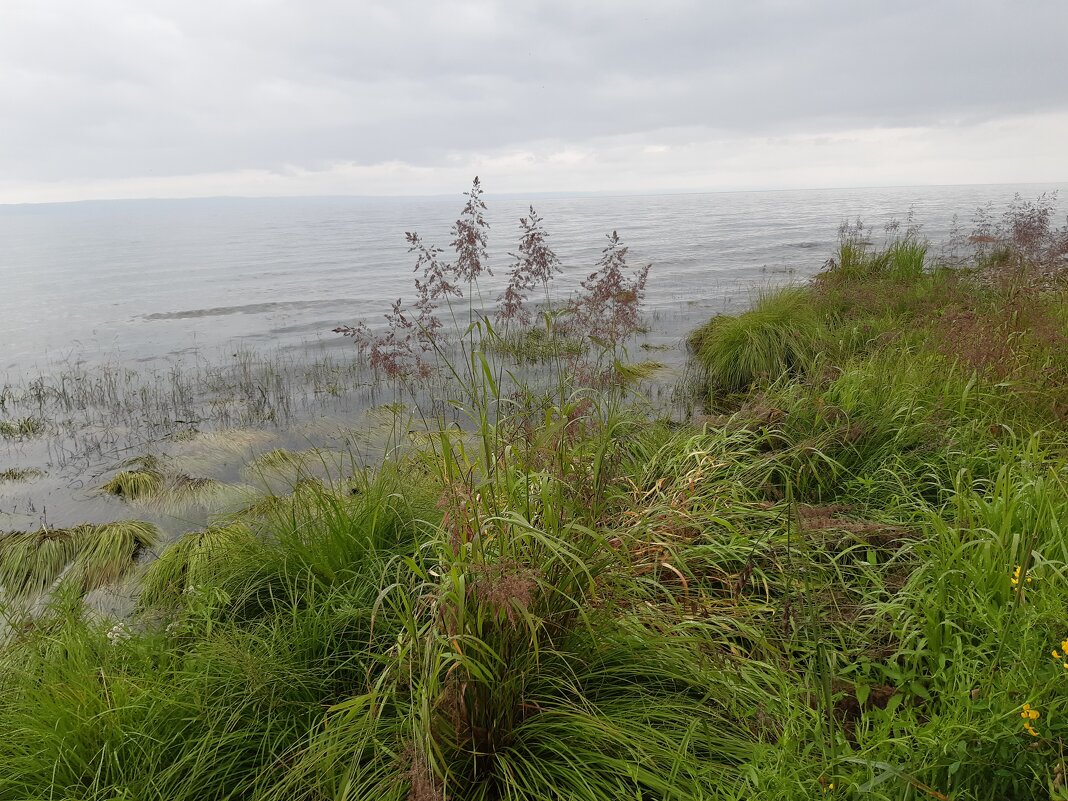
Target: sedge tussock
x,y
133,485
192,560
20,474
88,556
22,428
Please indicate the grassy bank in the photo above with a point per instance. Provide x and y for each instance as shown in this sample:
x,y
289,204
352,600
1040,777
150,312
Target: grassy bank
x,y
845,579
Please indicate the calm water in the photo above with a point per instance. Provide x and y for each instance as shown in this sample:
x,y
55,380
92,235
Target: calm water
x,y
133,312
137,281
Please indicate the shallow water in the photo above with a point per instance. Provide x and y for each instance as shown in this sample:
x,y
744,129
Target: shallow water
x,y
131,281
155,325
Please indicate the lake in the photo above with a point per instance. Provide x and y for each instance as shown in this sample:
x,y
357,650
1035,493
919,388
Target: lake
x,y
199,331
137,281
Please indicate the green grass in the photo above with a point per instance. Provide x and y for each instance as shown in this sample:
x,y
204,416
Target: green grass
x,y
134,484
193,561
535,344
86,556
631,373
780,335
849,583
151,487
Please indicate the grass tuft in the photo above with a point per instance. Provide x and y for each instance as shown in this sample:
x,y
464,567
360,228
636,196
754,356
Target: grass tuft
x,y
86,556
20,474
780,335
21,428
193,560
133,485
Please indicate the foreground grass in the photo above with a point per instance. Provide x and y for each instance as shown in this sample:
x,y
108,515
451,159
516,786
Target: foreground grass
x,y
846,581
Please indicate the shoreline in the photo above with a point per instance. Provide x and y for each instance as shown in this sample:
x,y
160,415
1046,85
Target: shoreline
x,y
851,547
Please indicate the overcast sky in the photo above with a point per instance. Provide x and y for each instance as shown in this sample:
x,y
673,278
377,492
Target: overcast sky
x,y
147,98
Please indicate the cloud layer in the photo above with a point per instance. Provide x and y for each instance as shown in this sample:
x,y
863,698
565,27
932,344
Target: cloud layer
x,y
111,98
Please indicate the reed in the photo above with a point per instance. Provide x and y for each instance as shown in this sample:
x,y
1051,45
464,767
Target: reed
x,y
848,582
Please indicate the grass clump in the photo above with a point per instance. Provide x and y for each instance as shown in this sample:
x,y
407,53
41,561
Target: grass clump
x,y
279,459
20,474
135,485
21,428
630,373
536,344
192,561
781,334
86,557
149,486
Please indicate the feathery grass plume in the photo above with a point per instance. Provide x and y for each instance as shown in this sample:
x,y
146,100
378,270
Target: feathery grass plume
x,y
409,333
852,258
192,560
609,308
781,334
535,264
469,237
1027,228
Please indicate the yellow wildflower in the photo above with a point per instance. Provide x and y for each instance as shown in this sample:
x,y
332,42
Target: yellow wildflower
x,y
1016,577
1030,714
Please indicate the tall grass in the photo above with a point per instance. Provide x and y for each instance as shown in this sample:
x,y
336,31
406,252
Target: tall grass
x,y
850,583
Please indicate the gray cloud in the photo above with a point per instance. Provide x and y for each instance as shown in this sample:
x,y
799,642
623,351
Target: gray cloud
x,y
105,90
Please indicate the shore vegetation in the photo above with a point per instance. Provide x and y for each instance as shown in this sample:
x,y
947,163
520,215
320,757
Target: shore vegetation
x,y
846,576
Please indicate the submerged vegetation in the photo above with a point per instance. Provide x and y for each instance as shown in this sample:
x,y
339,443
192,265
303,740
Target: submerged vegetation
x,y
20,474
84,557
845,579
150,486
21,428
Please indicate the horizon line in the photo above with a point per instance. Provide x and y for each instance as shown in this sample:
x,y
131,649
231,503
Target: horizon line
x,y
593,193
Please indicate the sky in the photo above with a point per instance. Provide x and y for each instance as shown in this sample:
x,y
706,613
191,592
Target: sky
x,y
147,98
